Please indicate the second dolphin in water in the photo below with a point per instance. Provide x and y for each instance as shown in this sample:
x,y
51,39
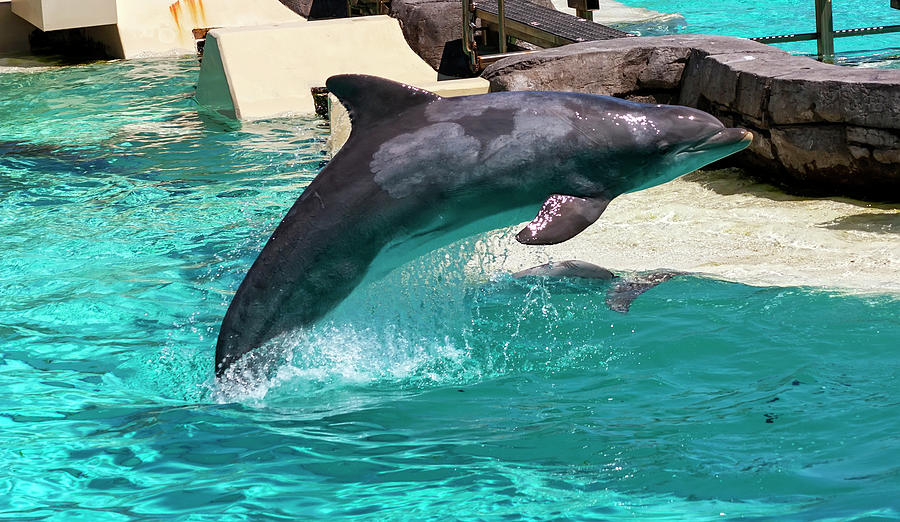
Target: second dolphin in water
x,y
419,172
619,295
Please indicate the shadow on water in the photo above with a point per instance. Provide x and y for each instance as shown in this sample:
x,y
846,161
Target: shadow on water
x,y
733,181
23,156
866,222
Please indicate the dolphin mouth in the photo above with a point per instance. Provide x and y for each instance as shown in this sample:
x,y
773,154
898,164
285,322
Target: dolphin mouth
x,y
730,138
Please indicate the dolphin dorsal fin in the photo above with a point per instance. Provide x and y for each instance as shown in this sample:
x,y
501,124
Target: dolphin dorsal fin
x,y
562,217
370,99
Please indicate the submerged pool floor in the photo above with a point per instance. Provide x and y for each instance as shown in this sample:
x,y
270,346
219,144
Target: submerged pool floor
x,y
126,222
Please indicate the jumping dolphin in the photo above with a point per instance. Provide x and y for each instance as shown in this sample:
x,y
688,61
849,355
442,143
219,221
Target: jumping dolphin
x,y
419,172
619,296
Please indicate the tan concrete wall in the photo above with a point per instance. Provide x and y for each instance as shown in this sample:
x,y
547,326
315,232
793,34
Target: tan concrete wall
x,y
29,10
135,28
269,70
52,15
14,30
152,27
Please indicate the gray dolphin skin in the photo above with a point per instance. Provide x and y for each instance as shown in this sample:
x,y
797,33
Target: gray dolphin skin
x,y
620,295
570,268
419,172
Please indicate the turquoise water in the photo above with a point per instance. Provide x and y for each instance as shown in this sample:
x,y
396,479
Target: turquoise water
x,y
126,222
777,17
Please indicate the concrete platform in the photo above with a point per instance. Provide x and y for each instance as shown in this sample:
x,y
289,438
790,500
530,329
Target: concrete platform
x,y
148,27
268,71
133,28
14,30
54,15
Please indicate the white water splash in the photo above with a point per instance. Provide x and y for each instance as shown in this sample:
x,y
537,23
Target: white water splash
x,y
334,357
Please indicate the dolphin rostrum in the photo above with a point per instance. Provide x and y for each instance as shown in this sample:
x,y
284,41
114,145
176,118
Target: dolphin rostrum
x,y
419,172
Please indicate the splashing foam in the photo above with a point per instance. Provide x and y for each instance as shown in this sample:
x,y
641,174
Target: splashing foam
x,y
423,326
340,356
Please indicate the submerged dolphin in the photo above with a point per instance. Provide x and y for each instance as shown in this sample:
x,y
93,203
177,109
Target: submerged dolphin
x,y
419,172
619,296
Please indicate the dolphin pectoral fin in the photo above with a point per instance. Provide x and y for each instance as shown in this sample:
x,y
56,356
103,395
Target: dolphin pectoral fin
x,y
561,217
370,99
622,294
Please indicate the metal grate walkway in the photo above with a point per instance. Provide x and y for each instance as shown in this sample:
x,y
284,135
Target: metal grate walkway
x,y
549,25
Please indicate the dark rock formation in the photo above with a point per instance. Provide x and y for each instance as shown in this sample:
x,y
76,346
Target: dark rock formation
x,y
819,129
318,9
433,29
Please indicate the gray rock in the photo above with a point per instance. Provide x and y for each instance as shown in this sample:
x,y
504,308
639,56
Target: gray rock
x,y
609,68
819,129
433,29
318,9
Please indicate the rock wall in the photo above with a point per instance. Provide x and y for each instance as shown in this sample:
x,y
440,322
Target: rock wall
x,y
819,129
433,28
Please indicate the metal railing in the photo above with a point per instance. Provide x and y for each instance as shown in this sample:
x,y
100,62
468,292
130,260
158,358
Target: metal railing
x,y
468,36
825,33
468,33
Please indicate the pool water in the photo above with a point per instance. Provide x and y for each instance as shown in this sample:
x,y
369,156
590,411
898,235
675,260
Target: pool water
x,y
778,17
127,220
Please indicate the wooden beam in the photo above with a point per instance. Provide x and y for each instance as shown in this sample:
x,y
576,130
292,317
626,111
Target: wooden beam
x,y
825,30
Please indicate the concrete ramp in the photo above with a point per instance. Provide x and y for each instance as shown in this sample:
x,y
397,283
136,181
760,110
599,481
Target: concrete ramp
x,y
268,71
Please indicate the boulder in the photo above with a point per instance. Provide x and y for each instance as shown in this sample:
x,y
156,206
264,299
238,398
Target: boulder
x,y
318,9
433,28
611,67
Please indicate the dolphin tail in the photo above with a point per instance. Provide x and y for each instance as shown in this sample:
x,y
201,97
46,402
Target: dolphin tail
x,y
622,294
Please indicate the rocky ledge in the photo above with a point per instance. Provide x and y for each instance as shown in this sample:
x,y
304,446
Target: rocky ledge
x,y
819,129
